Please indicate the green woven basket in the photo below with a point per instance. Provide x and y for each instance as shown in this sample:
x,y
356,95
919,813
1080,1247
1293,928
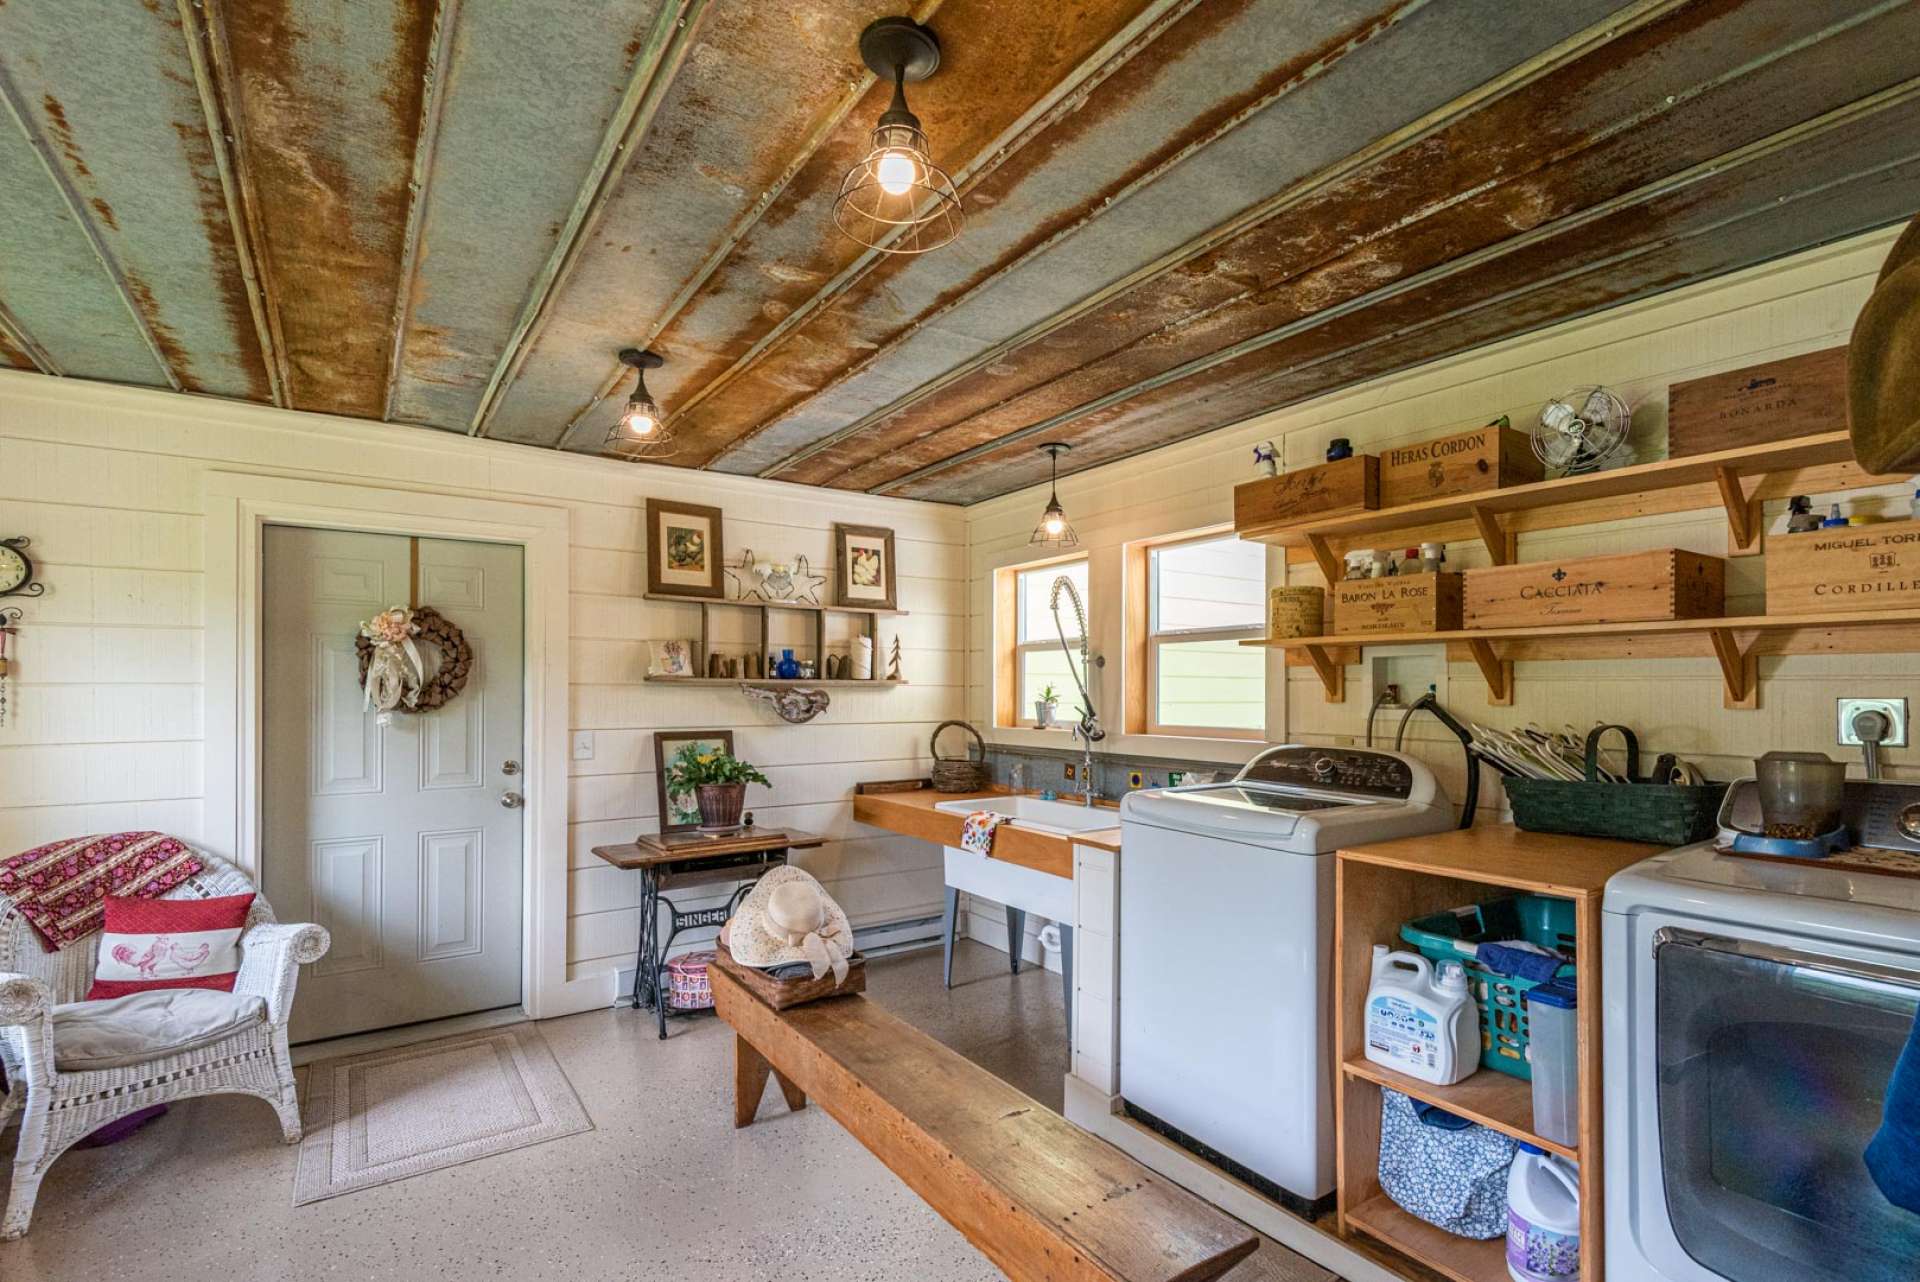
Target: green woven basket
x,y
1666,814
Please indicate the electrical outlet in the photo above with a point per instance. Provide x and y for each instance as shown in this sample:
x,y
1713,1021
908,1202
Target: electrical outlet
x,y
1895,711
583,745
1135,779
1073,771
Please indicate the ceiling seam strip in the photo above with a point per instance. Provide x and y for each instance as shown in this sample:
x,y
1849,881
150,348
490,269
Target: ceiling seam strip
x,y
740,230
76,209
667,46
1893,96
212,77
1033,123
436,74
1617,128
1110,203
16,333
1579,45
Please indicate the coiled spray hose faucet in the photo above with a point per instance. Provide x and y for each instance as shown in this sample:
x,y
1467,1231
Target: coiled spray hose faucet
x,y
1088,731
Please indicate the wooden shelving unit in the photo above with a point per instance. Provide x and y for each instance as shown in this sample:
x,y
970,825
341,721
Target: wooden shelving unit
x,y
1377,888
706,605
1735,481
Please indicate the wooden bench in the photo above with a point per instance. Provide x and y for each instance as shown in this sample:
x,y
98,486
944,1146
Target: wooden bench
x,y
1042,1199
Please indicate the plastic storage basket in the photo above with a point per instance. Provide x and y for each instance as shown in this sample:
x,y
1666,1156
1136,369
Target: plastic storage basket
x,y
1538,919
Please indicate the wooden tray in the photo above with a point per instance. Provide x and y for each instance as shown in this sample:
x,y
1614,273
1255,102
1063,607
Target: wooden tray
x,y
783,994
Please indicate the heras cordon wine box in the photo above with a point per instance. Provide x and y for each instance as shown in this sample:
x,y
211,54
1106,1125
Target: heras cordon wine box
x,y
1860,567
1486,458
1629,588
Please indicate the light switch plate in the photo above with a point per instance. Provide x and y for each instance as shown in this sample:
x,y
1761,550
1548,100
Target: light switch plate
x,y
1896,710
583,745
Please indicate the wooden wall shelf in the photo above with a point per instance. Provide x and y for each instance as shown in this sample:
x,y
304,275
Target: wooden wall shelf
x,y
1735,481
769,605
701,646
776,682
1734,642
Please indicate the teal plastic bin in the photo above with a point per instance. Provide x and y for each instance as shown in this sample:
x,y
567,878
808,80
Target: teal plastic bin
x,y
1449,936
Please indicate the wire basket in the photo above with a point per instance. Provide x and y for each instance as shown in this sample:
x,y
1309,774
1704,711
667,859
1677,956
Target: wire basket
x,y
960,774
1667,814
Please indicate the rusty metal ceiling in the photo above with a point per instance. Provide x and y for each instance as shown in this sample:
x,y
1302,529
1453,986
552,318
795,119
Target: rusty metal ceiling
x,y
454,214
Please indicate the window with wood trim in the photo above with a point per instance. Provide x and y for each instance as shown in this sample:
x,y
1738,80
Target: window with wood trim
x,y
1028,643
1197,599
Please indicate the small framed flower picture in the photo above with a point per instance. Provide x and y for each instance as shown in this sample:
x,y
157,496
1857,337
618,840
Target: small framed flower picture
x,y
863,571
685,551
681,811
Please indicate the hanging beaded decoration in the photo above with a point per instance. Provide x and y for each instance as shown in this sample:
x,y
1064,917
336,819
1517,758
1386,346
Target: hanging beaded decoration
x,y
8,632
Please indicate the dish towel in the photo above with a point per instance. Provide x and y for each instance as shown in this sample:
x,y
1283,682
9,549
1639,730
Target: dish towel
x,y
976,834
62,888
1893,1158
1519,959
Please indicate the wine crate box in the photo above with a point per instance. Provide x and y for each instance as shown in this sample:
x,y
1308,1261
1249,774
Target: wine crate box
x,y
1631,588
1350,485
1487,458
1776,401
1401,603
1859,567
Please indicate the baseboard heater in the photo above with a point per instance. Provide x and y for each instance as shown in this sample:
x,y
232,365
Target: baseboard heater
x,y
1303,1207
882,939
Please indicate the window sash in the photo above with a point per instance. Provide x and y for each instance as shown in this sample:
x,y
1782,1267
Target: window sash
x,y
1158,636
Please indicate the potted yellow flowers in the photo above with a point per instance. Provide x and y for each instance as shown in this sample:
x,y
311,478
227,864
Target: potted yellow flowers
x,y
717,779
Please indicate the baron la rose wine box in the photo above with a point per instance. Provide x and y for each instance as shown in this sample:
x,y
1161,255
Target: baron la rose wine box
x,y
1486,458
1633,587
1858,567
1401,603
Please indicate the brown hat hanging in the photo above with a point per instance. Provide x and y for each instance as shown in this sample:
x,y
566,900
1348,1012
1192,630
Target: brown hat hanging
x,y
1883,365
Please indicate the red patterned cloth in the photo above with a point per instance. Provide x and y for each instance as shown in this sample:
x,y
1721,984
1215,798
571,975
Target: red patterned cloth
x,y
62,888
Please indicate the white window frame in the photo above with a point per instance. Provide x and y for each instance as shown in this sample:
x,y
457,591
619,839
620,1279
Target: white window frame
x,y
1023,712
1157,637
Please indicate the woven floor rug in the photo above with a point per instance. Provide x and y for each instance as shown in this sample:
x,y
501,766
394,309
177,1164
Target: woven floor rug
x,y
385,1116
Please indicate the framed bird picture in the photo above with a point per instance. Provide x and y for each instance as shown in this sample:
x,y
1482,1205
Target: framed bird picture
x,y
686,555
863,571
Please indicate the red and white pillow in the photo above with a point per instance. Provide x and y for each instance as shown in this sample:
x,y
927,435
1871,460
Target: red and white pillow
x,y
169,943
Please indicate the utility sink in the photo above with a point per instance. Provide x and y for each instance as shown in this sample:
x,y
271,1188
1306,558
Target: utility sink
x,y
1060,817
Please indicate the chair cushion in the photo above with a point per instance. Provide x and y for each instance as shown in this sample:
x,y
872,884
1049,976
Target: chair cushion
x,y
145,1026
170,943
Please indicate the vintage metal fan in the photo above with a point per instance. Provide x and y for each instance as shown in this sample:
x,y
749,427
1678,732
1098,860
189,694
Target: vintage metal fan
x,y
1581,429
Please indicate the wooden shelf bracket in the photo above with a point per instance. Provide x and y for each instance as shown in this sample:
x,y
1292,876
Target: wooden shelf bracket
x,y
1333,673
1500,543
1323,556
1744,519
1739,668
1497,671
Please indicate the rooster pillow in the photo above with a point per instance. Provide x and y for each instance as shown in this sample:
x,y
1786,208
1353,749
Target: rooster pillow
x,y
169,943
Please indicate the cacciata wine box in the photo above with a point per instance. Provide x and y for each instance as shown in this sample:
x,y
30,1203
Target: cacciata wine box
x,y
1859,567
1632,587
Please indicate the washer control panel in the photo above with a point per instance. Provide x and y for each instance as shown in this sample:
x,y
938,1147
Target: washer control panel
x,y
1355,770
1884,814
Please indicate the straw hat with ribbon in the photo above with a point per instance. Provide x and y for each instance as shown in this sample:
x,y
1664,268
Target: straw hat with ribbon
x,y
786,918
1883,365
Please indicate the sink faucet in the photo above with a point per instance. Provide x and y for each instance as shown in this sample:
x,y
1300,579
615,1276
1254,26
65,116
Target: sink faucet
x,y
1088,731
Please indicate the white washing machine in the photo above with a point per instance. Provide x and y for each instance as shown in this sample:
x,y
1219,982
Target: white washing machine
x,y
1754,1014
1226,949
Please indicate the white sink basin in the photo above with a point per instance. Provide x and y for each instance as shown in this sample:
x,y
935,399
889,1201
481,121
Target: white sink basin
x,y
1061,817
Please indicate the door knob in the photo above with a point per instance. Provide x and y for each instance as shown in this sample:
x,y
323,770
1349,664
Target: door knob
x,y
512,800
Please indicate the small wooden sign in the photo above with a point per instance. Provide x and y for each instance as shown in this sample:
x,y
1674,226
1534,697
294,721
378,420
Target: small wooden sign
x,y
1402,603
1630,588
1772,402
1486,458
1350,485
1859,567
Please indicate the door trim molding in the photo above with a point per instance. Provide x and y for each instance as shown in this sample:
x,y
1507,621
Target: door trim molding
x,y
236,507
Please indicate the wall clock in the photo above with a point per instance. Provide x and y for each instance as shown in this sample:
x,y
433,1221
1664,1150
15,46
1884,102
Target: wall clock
x,y
16,570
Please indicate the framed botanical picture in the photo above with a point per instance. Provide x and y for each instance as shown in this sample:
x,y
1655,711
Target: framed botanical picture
x,y
685,552
681,812
863,567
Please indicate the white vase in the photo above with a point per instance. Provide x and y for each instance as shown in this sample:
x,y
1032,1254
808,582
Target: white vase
x,y
862,658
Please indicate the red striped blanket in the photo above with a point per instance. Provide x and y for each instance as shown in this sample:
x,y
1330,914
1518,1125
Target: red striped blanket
x,y
62,888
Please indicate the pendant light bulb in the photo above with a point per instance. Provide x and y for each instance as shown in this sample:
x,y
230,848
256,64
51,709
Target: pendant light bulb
x,y
1055,521
641,430
896,172
641,418
1053,529
895,199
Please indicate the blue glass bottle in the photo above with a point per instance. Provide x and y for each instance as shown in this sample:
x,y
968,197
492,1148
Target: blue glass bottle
x,y
788,668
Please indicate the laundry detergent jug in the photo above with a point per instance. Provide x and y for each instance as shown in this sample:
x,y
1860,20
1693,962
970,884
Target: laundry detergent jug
x,y
1419,1023
1543,1217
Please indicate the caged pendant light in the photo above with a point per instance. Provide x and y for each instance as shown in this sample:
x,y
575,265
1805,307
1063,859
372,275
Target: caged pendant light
x,y
1053,530
641,431
895,199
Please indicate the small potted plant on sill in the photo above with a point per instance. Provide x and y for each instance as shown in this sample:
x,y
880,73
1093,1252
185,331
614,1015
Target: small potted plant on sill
x,y
1043,707
717,779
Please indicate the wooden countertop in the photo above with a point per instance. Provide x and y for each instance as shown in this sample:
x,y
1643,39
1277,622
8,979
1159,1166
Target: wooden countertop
x,y
1542,862
912,814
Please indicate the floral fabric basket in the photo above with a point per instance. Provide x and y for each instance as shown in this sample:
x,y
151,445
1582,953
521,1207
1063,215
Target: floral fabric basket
x,y
687,986
1443,1169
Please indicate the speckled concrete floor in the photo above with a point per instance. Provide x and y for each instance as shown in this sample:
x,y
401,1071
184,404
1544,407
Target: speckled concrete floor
x,y
663,1188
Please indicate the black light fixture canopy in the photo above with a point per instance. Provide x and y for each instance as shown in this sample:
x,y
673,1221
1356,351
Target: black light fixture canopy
x,y
641,431
895,199
1053,530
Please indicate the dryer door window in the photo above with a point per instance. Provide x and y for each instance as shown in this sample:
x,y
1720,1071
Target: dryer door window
x,y
1773,1068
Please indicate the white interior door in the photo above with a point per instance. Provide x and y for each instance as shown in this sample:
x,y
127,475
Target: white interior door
x,y
395,838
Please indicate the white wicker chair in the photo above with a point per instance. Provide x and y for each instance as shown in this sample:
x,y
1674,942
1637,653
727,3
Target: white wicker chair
x,y
62,1107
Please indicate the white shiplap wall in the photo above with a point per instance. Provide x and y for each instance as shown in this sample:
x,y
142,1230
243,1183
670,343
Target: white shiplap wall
x,y
1802,303
108,719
